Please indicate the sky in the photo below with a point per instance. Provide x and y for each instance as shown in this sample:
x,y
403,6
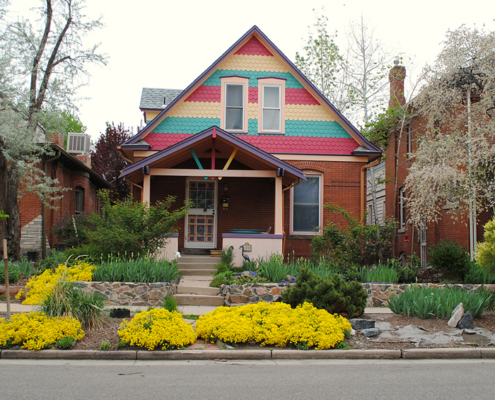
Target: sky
x,y
168,43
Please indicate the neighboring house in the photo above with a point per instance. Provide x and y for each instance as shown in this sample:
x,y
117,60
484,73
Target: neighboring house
x,y
73,171
258,150
375,195
412,240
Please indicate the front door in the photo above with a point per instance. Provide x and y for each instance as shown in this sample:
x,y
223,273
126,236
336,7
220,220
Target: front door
x,y
201,219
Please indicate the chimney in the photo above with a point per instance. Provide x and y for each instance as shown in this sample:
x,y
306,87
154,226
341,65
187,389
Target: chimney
x,y
56,138
396,77
85,158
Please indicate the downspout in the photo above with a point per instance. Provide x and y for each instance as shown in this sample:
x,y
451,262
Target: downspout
x,y
283,211
363,194
43,208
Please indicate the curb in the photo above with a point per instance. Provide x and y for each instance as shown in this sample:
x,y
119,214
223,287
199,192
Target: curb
x,y
215,355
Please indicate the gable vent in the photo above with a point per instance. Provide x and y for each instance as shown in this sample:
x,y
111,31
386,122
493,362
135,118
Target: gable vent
x,y
78,143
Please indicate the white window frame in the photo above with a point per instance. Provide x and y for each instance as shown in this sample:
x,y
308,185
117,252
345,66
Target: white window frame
x,y
243,107
320,207
402,209
279,108
240,81
271,81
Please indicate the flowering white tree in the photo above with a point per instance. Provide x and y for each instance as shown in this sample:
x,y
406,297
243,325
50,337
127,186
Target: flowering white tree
x,y
455,160
40,65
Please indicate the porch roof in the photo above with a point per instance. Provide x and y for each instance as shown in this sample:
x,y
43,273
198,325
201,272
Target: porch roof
x,y
248,154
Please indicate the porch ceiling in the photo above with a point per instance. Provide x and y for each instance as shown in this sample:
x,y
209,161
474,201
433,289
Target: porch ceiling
x,y
225,143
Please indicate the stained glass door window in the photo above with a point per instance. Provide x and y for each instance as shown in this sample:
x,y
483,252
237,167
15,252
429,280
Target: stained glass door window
x,y
201,216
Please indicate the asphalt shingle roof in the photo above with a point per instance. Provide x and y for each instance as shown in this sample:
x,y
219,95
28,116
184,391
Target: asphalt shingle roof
x,y
152,98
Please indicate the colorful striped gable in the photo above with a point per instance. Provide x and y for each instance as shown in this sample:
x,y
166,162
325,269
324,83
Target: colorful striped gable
x,y
311,127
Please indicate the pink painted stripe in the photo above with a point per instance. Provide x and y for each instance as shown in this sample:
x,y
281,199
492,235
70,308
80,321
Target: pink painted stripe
x,y
270,144
254,48
206,94
299,96
253,95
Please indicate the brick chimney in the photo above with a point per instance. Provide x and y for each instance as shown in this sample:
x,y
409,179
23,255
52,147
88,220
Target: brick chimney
x,y
56,138
396,77
85,158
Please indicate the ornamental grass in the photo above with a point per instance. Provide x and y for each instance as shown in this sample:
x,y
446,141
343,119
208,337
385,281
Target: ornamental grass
x,y
36,331
157,329
41,286
274,324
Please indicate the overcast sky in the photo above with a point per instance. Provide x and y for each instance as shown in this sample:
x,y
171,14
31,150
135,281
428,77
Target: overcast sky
x,y
168,43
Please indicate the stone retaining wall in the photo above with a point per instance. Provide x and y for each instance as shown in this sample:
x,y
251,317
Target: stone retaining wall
x,y
378,293
130,294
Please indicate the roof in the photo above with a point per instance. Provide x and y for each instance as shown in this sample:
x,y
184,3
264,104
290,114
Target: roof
x,y
219,133
369,147
157,99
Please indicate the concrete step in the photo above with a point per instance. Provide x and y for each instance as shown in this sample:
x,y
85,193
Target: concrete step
x,y
199,272
198,259
195,310
197,265
198,300
209,291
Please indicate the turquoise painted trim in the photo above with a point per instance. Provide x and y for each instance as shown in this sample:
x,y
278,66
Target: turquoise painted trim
x,y
185,125
214,79
196,158
315,129
252,127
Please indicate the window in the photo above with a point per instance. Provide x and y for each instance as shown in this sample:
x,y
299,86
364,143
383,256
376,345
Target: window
x,y
409,141
271,105
271,108
402,209
234,99
306,205
79,208
234,107
370,214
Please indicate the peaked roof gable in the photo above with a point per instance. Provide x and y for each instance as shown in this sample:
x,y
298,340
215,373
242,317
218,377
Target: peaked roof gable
x,y
220,133
251,44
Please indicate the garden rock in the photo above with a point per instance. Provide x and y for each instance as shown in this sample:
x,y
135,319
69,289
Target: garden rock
x,y
466,321
361,323
456,316
370,332
245,273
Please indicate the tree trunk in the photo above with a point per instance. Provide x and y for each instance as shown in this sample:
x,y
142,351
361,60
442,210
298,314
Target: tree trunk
x,y
14,221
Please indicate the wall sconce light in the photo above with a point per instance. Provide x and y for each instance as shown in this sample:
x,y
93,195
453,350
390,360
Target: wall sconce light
x,y
225,187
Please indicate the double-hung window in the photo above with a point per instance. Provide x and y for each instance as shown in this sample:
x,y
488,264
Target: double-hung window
x,y
306,205
272,108
402,209
234,107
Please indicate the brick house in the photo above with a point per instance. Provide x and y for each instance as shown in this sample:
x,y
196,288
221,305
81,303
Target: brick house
x,y
73,172
256,147
410,240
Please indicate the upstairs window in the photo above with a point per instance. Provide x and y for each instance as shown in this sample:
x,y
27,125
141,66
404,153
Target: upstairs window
x,y
272,110
234,107
234,100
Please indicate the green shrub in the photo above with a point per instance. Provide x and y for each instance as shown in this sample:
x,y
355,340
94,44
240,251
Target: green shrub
x,y
227,257
485,251
426,302
66,343
332,294
73,229
67,300
447,256
14,273
170,303
146,270
478,275
105,345
54,259
274,268
356,243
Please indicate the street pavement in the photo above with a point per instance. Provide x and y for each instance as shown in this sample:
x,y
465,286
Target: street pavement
x,y
261,379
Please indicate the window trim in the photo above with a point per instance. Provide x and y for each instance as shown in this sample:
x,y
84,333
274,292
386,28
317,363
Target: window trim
x,y
320,208
402,209
235,80
271,82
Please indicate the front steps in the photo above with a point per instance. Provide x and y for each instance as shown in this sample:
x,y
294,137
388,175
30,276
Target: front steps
x,y
194,288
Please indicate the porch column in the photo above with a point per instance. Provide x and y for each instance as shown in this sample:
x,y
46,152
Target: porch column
x,y
146,188
278,228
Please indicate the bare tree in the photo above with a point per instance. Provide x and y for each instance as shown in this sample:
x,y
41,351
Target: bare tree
x,y
41,63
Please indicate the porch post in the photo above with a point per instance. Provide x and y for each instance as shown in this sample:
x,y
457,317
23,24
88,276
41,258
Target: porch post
x,y
278,228
146,188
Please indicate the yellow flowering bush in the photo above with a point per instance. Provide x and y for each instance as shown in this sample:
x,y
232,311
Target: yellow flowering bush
x,y
36,331
41,286
157,328
274,324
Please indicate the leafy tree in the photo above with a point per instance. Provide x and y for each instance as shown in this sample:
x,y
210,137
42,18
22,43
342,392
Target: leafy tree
x,y
455,160
107,160
323,65
40,63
